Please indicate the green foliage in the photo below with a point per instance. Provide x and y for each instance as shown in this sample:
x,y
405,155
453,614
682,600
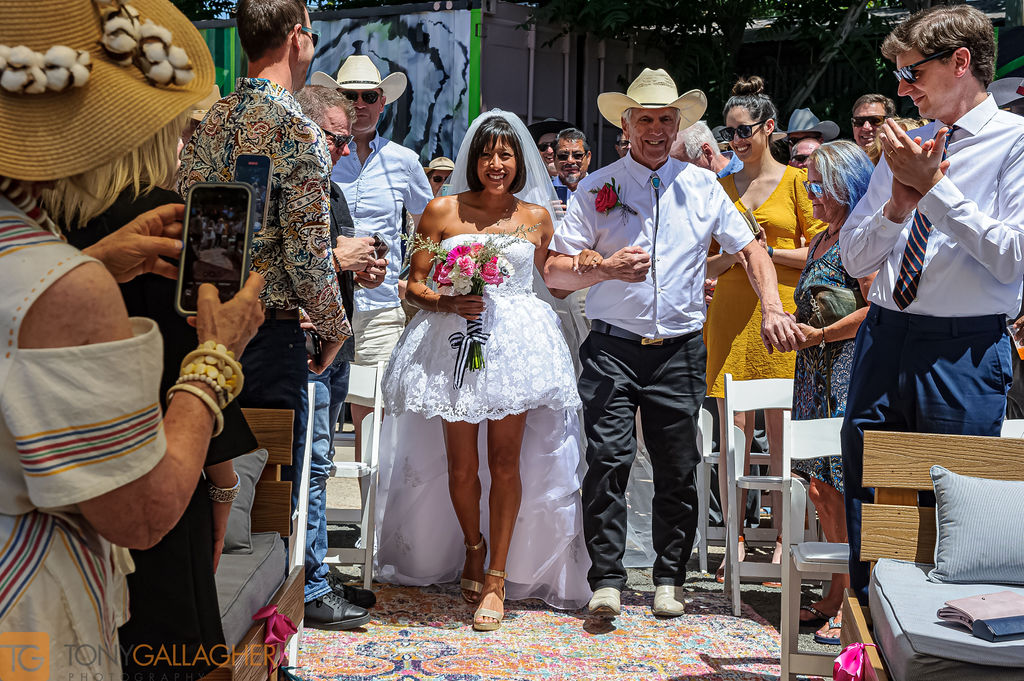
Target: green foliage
x,y
701,44
198,10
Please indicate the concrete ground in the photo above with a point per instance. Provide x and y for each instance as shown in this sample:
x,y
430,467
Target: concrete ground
x,y
766,601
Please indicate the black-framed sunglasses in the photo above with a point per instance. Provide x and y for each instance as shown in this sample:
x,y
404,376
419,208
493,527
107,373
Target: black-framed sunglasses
x,y
622,144
800,158
439,179
340,141
544,146
907,74
576,155
744,131
313,35
369,96
859,121
814,189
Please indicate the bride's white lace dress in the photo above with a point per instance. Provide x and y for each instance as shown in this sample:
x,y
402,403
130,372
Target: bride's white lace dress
x,y
527,368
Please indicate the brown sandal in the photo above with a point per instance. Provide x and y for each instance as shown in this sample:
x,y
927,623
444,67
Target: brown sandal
x,y
470,586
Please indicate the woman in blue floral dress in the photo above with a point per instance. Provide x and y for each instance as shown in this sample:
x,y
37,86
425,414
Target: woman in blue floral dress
x,y
837,177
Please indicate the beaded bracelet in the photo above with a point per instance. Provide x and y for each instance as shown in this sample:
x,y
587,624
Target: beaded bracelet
x,y
222,393
217,362
210,403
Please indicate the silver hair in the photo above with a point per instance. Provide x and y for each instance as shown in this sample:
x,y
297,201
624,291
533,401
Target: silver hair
x,y
695,137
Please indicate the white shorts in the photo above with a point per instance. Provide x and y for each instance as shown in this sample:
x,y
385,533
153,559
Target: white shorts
x,y
376,333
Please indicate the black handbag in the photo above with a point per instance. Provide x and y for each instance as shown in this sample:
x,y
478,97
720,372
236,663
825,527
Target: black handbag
x,y
829,304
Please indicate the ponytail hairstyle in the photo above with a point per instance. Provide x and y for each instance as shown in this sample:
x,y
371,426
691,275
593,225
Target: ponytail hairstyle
x,y
748,93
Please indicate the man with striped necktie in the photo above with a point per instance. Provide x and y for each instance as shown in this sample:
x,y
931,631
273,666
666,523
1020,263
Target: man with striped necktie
x,y
943,223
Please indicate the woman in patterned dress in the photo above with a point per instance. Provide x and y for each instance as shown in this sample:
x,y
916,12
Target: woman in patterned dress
x,y
837,177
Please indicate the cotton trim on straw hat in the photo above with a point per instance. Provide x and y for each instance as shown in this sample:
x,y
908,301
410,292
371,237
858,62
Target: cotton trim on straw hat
x,y
359,73
653,89
114,102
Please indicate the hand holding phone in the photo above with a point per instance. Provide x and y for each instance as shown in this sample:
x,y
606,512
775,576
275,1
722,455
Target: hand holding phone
x,y
216,235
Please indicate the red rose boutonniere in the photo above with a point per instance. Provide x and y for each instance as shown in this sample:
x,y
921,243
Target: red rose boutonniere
x,y
608,198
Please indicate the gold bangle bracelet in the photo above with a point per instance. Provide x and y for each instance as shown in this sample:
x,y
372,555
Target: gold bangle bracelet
x,y
210,403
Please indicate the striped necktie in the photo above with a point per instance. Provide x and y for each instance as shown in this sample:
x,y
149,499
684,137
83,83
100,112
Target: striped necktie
x,y
905,290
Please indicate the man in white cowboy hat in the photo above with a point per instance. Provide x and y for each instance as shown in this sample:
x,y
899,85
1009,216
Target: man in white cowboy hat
x,y
652,218
378,180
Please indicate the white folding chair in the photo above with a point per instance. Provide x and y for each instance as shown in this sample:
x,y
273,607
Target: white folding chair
x,y
1013,428
811,560
708,535
363,382
301,515
740,396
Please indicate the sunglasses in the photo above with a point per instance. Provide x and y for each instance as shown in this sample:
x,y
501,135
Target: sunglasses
x,y
801,158
439,179
814,189
576,155
369,96
544,146
313,35
907,74
340,141
859,121
624,144
744,131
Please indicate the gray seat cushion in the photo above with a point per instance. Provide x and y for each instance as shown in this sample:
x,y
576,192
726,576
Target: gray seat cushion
x,y
917,645
247,581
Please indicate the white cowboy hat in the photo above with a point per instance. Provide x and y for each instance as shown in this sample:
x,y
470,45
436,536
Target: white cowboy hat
x,y
653,89
359,73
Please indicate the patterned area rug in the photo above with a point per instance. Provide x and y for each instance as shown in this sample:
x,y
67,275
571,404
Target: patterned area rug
x,y
425,634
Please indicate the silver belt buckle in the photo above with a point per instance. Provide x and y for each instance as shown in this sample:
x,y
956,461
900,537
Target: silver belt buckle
x,y
651,341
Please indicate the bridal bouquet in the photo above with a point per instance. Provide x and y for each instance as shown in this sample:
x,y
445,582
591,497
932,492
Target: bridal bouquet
x,y
467,268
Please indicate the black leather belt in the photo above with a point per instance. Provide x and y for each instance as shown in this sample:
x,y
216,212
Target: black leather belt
x,y
598,326
281,313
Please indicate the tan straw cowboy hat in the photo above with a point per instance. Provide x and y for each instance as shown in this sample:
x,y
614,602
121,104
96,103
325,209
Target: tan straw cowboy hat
x,y
359,73
653,89
66,105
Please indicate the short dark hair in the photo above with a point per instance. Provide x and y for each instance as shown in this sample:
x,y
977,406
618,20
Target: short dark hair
x,y
315,100
263,25
492,131
947,27
872,98
573,135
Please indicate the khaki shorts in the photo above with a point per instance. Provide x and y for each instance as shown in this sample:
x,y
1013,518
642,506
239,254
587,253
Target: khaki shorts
x,y
376,333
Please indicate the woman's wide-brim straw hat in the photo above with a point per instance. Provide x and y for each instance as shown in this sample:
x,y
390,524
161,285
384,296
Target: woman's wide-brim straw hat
x,y
54,135
359,73
653,89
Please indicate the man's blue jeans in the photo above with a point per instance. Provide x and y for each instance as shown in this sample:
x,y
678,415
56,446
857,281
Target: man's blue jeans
x,y
331,387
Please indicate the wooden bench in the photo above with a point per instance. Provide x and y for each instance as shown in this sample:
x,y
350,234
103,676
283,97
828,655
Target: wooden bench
x,y
271,512
897,465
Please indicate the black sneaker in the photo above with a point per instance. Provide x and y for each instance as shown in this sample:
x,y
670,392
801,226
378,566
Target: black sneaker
x,y
331,611
364,598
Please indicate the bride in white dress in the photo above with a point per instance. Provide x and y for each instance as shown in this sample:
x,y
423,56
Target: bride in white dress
x,y
488,470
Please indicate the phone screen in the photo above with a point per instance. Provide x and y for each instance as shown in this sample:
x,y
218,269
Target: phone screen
x,y
217,235
563,192
255,171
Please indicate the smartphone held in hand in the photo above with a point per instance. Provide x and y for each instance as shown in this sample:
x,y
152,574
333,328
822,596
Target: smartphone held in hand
x,y
254,170
217,232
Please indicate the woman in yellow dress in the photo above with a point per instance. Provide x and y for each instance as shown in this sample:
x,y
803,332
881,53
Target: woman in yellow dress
x,y
774,194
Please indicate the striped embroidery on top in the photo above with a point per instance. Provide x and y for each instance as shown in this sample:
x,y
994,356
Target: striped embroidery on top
x,y
58,451
22,556
26,551
16,235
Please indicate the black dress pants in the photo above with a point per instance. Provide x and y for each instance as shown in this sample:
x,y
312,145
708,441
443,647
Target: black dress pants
x,y
667,384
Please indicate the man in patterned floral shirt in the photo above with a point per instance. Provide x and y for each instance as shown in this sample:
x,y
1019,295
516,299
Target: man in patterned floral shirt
x,y
292,249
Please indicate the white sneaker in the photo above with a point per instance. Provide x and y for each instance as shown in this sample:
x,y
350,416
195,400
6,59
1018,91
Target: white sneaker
x,y
669,601
605,602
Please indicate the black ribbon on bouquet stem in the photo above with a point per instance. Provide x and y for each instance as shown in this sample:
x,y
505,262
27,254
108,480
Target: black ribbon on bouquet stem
x,y
462,342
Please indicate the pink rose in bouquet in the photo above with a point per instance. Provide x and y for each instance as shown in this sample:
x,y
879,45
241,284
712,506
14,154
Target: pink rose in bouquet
x,y
443,274
491,272
466,266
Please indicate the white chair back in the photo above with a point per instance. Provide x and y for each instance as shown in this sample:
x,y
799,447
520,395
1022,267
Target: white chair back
x,y
1013,428
364,382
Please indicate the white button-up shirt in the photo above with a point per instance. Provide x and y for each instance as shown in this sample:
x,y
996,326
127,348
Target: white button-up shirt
x,y
376,191
692,208
973,264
